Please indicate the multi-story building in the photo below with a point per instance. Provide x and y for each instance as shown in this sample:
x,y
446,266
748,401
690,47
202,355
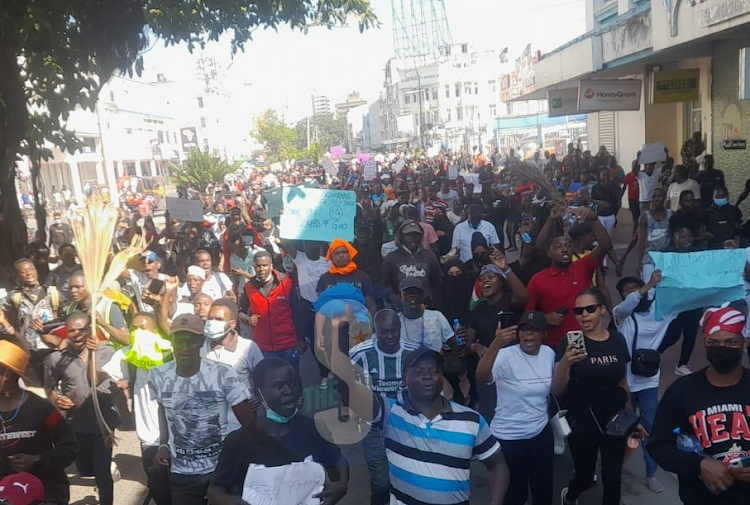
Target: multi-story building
x,y
321,105
658,71
452,103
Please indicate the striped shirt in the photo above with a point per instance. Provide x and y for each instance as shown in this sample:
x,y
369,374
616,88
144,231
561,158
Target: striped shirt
x,y
380,371
429,460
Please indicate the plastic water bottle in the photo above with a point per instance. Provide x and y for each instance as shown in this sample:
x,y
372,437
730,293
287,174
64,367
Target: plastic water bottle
x,y
687,443
456,328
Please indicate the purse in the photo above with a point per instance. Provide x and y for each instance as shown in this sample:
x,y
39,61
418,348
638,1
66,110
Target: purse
x,y
623,424
643,362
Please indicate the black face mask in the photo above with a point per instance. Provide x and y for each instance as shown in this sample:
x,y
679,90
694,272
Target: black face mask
x,y
724,359
482,258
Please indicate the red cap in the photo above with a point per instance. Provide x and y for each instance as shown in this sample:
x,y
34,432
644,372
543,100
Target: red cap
x,y
725,318
21,489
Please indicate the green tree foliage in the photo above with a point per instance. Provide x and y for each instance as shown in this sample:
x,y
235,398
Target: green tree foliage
x,y
201,169
56,54
279,140
324,131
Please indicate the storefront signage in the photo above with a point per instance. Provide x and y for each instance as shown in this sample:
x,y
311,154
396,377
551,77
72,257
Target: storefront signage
x,y
735,144
562,102
521,81
189,138
722,11
609,94
676,86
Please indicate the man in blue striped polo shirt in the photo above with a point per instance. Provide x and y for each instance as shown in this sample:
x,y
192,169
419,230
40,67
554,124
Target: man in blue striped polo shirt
x,y
430,441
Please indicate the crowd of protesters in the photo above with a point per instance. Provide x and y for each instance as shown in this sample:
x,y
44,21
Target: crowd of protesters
x,y
464,316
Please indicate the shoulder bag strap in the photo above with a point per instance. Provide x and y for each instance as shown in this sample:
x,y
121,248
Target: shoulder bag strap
x,y
635,336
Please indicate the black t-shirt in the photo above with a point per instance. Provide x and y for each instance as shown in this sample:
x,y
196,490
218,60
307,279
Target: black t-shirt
x,y
251,446
595,381
719,418
358,279
484,318
39,429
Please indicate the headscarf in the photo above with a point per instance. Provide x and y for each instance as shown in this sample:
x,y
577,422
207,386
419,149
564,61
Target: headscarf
x,y
725,318
346,270
457,292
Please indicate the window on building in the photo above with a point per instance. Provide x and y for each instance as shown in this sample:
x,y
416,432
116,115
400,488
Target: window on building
x,y
458,89
434,93
493,110
464,48
89,144
111,96
447,91
447,114
203,122
467,88
200,102
493,86
476,88
205,145
407,99
160,136
459,114
145,168
426,95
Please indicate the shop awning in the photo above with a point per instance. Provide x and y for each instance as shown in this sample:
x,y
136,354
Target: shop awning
x,y
536,120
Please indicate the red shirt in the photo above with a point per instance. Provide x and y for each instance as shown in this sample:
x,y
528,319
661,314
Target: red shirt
x,y
553,288
631,181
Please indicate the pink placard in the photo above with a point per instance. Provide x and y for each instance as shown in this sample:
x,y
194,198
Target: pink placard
x,y
337,151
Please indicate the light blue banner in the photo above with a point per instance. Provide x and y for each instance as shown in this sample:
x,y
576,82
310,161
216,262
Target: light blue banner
x,y
318,214
698,279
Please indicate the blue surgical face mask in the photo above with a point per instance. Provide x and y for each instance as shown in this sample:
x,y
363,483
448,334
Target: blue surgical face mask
x,y
720,202
274,416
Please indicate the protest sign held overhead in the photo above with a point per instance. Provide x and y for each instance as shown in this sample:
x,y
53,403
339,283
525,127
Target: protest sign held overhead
x,y
371,170
698,279
185,210
318,214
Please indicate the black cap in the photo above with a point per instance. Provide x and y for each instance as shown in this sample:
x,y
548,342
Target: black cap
x,y
630,278
417,354
411,282
534,318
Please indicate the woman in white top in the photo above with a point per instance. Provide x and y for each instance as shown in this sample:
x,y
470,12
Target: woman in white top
x,y
635,317
522,374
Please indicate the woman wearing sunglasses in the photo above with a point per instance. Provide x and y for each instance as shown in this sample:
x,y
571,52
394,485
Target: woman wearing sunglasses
x,y
593,381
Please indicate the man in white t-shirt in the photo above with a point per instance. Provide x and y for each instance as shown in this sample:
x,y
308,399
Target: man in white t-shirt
x,y
195,396
647,181
225,345
192,287
448,195
423,327
681,183
217,284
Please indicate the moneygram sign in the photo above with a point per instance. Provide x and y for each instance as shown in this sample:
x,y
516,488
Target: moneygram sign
x,y
609,94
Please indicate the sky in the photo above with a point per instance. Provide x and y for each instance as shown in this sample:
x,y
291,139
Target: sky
x,y
282,69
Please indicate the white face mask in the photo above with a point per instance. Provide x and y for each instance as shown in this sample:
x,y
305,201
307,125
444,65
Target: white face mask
x,y
58,221
215,330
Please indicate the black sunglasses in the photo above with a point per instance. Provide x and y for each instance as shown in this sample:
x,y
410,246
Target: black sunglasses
x,y
578,311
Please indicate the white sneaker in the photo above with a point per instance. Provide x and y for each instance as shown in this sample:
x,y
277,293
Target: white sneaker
x,y
115,471
564,498
324,383
559,447
683,370
654,485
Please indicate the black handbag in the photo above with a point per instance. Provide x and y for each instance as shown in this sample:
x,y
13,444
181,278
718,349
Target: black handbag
x,y
622,424
643,362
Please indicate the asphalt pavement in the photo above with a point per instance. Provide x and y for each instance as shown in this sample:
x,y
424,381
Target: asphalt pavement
x,y
130,490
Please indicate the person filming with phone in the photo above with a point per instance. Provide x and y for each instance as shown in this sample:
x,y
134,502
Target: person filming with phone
x,y
591,373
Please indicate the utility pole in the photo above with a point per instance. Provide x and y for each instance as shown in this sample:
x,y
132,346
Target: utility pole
x,y
308,132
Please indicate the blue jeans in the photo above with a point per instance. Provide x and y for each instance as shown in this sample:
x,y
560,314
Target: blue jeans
x,y
290,355
373,447
645,402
